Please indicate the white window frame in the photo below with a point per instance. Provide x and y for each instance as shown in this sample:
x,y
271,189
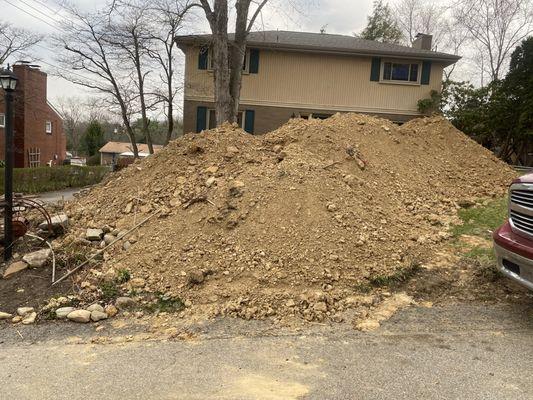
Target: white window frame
x,y
2,120
208,117
398,82
48,127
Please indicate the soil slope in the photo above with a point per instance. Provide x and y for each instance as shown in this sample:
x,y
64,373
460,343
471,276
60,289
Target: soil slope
x,y
292,222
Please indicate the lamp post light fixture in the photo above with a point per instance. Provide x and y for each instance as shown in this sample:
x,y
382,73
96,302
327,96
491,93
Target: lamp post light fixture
x,y
8,82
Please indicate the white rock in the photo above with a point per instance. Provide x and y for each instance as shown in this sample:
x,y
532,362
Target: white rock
x,y
4,315
79,316
22,311
58,221
62,312
95,307
108,238
37,258
210,181
98,316
94,234
29,318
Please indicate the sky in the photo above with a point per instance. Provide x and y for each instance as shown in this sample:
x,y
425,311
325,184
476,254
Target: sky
x,y
335,16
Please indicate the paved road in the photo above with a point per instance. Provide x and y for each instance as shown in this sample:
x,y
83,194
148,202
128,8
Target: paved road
x,y
457,352
59,195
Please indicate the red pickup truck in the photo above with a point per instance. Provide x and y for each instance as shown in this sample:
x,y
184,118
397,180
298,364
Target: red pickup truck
x,y
513,241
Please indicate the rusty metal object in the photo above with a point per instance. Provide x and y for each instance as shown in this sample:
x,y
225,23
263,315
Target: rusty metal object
x,y
22,225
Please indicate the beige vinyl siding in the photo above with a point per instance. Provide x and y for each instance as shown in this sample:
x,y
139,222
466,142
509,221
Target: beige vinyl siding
x,y
312,80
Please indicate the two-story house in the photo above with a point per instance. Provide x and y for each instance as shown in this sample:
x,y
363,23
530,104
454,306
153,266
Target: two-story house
x,y
38,128
290,74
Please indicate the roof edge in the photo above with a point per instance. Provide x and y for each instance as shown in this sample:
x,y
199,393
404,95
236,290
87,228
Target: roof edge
x,y
446,58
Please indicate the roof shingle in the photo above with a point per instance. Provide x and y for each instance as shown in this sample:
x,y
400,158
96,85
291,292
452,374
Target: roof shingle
x,y
323,42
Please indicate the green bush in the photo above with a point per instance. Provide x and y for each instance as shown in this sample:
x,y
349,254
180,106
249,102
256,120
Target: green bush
x,y
44,179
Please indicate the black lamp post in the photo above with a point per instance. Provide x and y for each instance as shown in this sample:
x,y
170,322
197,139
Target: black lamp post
x,y
8,82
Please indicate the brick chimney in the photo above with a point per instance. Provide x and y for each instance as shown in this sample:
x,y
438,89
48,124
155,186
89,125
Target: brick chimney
x,y
422,41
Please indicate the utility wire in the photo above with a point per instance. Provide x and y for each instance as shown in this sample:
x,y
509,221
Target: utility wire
x,y
33,15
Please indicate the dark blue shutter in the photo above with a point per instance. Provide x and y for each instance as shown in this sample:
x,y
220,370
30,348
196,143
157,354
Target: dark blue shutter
x,y
202,58
254,61
201,119
426,72
249,120
374,70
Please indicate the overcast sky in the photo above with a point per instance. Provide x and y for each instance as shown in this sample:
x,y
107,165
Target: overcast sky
x,y
337,16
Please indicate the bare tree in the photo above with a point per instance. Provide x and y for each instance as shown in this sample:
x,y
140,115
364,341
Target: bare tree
x,y
417,16
129,35
73,112
497,27
168,20
15,40
85,48
228,56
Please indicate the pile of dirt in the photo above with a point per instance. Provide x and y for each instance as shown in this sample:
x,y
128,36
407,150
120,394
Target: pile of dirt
x,y
294,222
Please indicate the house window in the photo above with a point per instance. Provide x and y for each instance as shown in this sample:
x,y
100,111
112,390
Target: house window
x,y
400,72
48,127
205,60
2,121
212,120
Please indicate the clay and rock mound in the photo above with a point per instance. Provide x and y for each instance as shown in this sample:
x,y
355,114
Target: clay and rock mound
x,y
289,223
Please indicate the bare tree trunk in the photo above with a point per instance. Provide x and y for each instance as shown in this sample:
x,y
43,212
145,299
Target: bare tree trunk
x,y
142,99
228,63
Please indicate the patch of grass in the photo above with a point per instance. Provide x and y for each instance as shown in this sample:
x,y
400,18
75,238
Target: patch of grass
x,y
363,288
479,220
109,290
481,253
123,276
165,303
399,276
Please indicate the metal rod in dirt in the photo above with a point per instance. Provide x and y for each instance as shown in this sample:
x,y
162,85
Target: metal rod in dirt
x,y
102,250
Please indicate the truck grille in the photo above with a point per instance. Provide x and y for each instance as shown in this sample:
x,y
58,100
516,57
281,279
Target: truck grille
x,y
523,198
521,209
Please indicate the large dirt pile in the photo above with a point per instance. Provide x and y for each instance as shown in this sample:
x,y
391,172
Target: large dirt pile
x,y
293,221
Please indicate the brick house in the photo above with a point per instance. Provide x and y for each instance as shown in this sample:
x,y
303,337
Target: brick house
x,y
289,74
38,128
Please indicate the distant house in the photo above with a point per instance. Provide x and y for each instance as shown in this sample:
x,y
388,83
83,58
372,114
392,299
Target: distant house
x,y
38,128
111,152
288,74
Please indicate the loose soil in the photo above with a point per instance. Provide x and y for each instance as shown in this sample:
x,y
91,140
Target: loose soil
x,y
30,288
299,222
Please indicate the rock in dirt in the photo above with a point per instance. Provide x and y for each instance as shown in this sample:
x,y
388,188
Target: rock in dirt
x,y
98,315
29,318
4,315
23,311
195,277
123,303
62,312
16,319
111,310
79,316
137,283
108,238
94,234
37,258
59,223
15,267
95,307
